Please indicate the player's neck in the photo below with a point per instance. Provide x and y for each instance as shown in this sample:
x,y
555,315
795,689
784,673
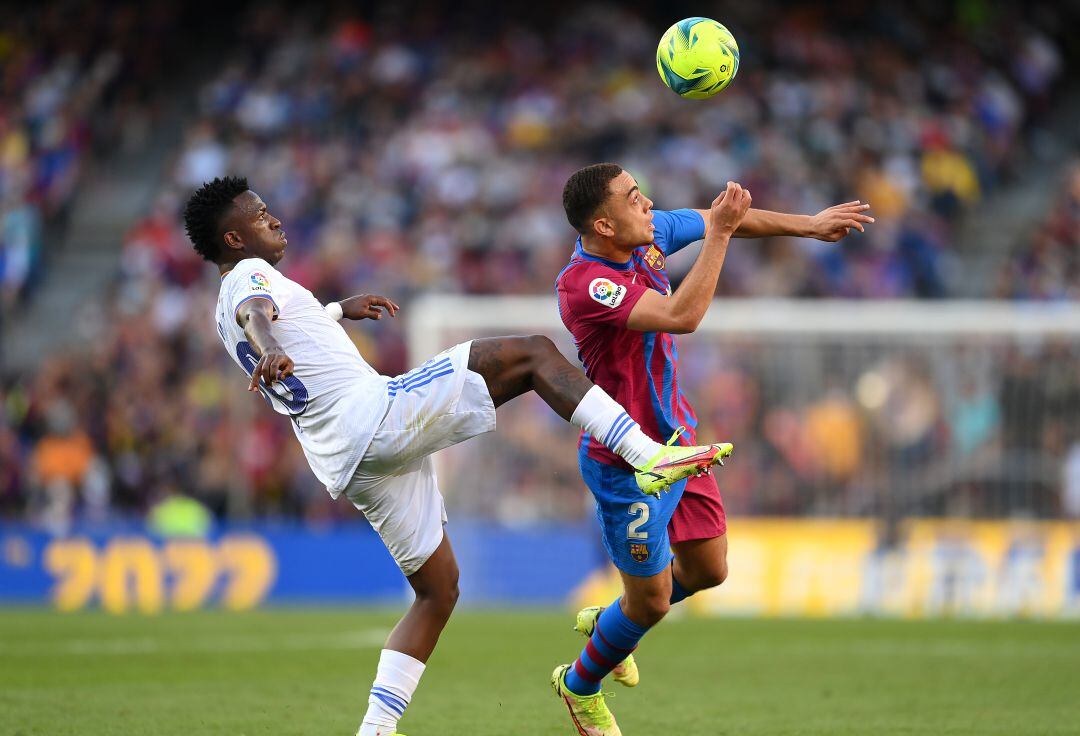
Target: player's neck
x,y
224,268
605,249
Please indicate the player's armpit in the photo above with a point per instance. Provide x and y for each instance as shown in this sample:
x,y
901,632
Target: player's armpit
x,y
655,312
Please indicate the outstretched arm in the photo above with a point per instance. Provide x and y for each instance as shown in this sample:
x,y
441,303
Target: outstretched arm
x,y
256,316
830,224
682,311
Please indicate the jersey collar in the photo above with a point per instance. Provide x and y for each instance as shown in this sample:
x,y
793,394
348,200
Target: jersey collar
x,y
580,252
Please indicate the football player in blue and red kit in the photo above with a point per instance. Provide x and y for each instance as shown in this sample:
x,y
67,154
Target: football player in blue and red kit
x,y
616,300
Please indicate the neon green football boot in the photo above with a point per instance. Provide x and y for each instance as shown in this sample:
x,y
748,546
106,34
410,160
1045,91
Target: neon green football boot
x,y
675,462
589,712
625,672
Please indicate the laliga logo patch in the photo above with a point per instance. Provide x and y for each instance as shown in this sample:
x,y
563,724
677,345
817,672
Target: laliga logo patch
x,y
607,292
259,282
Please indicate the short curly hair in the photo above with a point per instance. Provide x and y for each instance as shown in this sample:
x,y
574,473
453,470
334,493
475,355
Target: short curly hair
x,y
585,191
204,211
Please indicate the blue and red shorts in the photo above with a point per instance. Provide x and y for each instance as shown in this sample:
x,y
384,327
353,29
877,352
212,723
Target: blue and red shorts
x,y
638,530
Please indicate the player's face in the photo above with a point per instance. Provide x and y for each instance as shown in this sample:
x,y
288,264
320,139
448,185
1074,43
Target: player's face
x,y
256,229
629,211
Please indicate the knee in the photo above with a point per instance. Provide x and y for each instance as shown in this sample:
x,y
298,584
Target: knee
x,y
656,609
707,577
443,600
718,575
442,597
649,610
452,596
714,576
540,347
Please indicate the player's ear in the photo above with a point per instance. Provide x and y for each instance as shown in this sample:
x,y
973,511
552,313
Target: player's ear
x,y
604,227
233,240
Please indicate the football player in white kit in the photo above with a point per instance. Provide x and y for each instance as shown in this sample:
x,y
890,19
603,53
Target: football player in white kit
x,y
370,436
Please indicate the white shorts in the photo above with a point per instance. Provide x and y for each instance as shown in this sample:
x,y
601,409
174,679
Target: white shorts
x,y
434,406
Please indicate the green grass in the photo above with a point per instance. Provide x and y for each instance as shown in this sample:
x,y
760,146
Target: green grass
x,y
287,672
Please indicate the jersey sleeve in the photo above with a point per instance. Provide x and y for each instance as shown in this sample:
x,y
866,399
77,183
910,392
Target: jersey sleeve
x,y
252,279
677,229
593,293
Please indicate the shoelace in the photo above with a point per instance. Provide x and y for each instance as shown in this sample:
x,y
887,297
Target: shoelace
x,y
676,435
594,703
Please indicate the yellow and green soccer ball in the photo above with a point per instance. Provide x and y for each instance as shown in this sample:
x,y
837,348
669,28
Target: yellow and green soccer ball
x,y
697,58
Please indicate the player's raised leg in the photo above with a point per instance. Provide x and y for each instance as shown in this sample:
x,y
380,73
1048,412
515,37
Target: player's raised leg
x,y
698,532
409,645
699,564
512,366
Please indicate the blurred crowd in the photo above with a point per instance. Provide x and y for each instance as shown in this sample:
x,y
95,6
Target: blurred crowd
x,y
863,426
855,426
409,153
72,76
402,154
1046,264
154,410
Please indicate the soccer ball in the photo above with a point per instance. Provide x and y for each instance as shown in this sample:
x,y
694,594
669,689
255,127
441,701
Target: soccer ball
x,y
697,58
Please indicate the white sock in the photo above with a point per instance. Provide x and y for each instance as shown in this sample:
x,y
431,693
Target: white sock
x,y
395,682
605,419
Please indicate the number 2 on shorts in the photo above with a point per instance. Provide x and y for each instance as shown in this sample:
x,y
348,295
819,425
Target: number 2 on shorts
x,y
640,510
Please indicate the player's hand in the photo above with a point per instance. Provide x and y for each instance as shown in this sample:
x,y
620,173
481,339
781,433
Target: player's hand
x,y
729,209
837,221
274,365
367,306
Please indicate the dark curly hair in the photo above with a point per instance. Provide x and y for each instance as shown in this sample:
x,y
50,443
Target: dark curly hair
x,y
204,211
585,191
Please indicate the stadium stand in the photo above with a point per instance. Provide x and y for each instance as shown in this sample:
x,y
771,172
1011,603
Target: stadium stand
x,y
414,157
1046,265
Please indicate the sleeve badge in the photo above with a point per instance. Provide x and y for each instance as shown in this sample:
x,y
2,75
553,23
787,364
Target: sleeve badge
x,y
259,282
607,292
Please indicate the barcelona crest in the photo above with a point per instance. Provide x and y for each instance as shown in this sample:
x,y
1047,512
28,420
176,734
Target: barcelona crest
x,y
639,552
655,258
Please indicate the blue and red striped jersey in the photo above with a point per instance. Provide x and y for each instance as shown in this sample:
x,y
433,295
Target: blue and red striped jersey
x,y
638,369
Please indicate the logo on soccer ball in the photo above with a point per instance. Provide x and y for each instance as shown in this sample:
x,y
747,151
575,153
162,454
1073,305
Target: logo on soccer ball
x,y
607,292
259,281
639,552
655,258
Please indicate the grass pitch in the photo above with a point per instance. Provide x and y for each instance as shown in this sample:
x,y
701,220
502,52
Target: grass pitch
x,y
285,672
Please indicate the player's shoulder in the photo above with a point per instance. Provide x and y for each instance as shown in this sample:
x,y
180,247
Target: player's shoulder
x,y
242,269
583,270
673,229
664,220
249,265
679,214
252,273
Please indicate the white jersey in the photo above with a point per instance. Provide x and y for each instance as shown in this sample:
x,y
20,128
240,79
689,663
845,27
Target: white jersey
x,y
335,399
